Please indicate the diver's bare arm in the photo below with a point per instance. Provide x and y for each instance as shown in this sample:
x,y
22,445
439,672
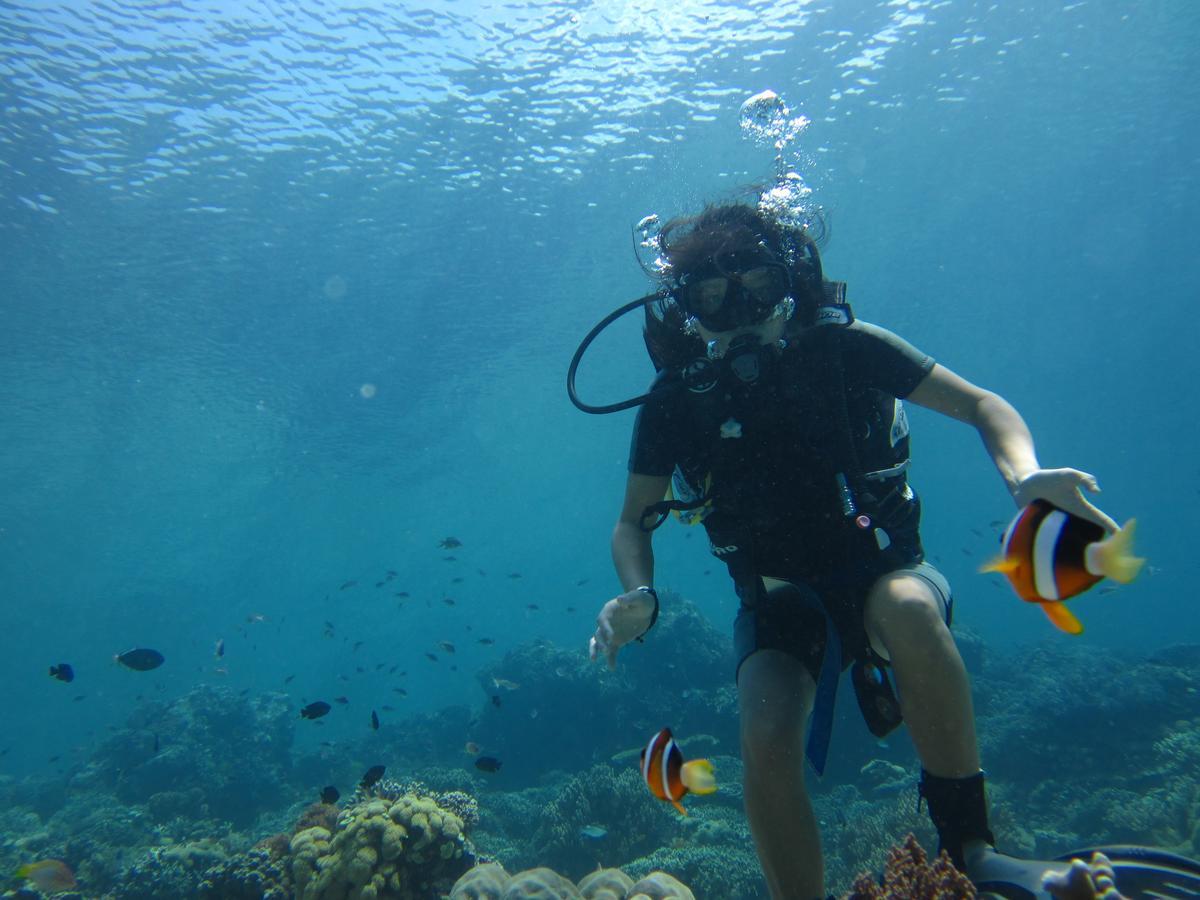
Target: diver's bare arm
x,y
1005,435
632,553
1010,445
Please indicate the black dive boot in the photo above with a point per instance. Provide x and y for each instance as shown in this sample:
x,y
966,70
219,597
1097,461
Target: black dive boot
x,y
958,807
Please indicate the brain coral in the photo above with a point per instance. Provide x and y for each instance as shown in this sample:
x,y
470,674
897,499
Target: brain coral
x,y
405,848
491,882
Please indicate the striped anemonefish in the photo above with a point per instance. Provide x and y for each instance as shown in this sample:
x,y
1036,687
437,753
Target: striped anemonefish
x,y
1050,556
668,776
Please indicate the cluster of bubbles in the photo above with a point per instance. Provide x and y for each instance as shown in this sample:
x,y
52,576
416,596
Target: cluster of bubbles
x,y
766,120
647,235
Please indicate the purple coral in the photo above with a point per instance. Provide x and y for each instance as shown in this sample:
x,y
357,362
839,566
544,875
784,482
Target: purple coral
x,y
908,875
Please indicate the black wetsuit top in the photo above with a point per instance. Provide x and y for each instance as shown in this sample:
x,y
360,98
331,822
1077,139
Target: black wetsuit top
x,y
773,474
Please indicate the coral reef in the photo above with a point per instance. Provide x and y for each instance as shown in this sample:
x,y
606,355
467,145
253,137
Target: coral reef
x,y
909,875
211,751
409,847
491,882
617,799
624,707
728,872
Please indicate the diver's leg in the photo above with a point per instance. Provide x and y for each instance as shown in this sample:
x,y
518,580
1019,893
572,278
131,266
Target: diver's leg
x,y
905,616
905,620
775,696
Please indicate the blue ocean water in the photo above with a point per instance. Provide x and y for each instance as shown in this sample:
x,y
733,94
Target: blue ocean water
x,y
287,294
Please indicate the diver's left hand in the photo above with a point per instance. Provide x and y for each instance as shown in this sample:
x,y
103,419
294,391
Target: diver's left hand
x,y
1064,488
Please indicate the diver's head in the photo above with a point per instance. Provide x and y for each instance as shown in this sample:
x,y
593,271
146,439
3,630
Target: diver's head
x,y
735,268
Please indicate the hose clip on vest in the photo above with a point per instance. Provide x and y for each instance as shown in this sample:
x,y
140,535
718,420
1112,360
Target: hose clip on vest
x,y
846,496
646,589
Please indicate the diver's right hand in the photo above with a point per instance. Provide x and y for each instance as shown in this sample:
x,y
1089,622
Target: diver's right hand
x,y
622,619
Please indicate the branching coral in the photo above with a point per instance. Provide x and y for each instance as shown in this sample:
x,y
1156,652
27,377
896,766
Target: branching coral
x,y
909,875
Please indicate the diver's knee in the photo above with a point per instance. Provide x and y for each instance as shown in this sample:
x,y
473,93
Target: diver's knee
x,y
903,609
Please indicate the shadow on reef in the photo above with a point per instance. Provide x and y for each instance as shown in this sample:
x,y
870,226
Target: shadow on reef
x,y
173,804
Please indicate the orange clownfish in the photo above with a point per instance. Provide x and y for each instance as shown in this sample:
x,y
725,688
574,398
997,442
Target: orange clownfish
x,y
1050,556
668,776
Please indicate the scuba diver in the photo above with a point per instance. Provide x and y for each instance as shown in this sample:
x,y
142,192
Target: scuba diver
x,y
775,420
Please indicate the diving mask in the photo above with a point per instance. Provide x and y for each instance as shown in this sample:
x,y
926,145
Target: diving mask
x,y
731,293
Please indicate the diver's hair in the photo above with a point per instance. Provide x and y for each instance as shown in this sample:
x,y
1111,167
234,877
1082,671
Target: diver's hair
x,y
691,242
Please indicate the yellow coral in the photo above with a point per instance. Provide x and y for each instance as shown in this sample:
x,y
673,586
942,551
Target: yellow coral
x,y
377,851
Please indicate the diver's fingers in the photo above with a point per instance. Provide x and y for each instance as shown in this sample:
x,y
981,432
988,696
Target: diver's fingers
x,y
604,628
1086,510
593,646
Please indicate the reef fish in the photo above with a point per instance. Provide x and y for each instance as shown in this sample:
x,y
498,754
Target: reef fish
x,y
329,794
372,776
141,659
63,672
374,720
488,764
1050,555
668,776
449,543
593,832
48,875
315,710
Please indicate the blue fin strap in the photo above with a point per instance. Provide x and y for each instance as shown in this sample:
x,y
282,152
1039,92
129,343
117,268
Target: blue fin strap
x,y
821,723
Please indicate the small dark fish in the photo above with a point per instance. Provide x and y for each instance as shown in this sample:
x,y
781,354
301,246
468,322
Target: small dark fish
x,y
341,700
457,579
288,680
315,710
347,584
357,644
447,646
496,701
392,670
449,601
219,649
374,720
488,764
570,609
372,776
329,794
63,672
486,641
581,582
450,558
431,656
390,573
140,659
78,697
401,691
380,584
449,543
401,594
532,606
514,575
